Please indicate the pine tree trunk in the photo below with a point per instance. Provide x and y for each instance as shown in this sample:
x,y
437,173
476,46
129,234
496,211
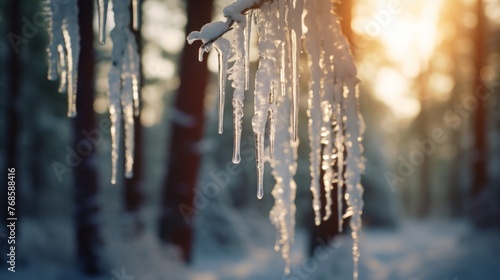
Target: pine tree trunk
x,y
88,237
176,226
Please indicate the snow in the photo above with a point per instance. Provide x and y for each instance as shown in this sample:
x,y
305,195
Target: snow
x,y
236,10
435,249
439,249
208,33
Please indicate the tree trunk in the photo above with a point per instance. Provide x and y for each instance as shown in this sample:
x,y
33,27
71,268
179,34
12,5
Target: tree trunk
x,y
85,174
176,225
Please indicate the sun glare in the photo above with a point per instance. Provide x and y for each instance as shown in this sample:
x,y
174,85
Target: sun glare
x,y
407,34
392,87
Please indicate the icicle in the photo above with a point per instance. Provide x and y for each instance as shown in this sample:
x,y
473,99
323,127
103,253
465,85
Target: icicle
x,y
71,36
272,112
312,46
325,43
263,88
339,147
64,40
136,14
326,163
115,113
237,75
259,160
134,65
284,166
281,45
276,103
295,86
354,167
223,47
71,74
247,34
102,12
327,102
283,69
128,115
123,87
55,40
135,90
295,25
272,130
62,69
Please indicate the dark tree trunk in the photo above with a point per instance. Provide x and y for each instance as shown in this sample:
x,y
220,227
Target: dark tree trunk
x,y
88,237
176,225
479,152
133,197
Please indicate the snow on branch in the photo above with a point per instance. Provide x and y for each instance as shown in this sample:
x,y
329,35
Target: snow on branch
x,y
234,12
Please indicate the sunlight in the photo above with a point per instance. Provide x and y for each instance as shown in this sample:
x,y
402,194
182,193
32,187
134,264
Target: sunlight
x,y
407,34
392,88
493,11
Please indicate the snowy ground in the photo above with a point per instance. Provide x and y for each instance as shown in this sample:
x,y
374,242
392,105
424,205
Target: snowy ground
x,y
418,250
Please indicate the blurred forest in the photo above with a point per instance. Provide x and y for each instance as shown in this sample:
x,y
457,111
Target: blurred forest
x,y
430,74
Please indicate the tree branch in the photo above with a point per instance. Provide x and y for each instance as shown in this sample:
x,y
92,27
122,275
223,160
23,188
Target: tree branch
x,y
233,12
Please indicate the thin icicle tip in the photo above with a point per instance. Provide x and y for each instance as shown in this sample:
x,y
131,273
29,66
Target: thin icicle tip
x,y
102,12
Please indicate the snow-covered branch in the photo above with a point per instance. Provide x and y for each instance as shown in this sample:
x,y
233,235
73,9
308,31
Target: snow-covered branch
x,y
234,12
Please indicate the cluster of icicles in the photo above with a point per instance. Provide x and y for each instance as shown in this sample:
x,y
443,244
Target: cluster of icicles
x,y
335,125
63,53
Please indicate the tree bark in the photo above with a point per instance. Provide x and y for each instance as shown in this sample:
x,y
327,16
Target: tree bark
x,y
88,237
176,225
